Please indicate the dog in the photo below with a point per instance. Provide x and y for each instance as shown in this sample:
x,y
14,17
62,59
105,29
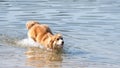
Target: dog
x,y
42,34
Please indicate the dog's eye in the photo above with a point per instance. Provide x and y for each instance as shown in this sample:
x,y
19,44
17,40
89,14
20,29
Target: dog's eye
x,y
57,38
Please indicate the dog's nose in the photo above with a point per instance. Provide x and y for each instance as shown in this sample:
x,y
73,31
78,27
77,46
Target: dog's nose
x,y
62,42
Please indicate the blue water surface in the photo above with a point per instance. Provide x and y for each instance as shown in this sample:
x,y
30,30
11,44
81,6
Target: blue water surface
x,y
91,31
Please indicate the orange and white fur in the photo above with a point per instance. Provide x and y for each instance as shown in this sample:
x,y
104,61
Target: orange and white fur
x,y
43,35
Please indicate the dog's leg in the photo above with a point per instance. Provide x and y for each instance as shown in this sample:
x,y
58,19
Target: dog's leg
x,y
30,39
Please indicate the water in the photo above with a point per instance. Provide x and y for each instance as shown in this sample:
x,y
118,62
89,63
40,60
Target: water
x,y
91,30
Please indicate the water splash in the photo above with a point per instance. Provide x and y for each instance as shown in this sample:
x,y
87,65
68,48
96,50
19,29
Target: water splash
x,y
18,42
28,43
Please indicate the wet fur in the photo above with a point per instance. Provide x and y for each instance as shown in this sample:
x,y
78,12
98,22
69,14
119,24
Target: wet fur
x,y
42,34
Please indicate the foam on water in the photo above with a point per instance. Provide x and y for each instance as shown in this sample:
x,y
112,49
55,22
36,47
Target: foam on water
x,y
15,41
28,43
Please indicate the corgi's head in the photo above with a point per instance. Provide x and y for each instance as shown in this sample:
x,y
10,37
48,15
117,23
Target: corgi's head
x,y
56,42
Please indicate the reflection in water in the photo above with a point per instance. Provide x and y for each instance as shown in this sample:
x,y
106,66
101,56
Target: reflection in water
x,y
40,58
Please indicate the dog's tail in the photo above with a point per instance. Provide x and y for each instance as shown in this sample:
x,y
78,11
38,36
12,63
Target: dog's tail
x,y
29,24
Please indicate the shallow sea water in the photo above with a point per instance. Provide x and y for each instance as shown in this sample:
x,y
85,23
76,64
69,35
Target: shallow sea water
x,y
91,31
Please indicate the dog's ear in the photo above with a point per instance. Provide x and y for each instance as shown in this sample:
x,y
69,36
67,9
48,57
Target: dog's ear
x,y
58,35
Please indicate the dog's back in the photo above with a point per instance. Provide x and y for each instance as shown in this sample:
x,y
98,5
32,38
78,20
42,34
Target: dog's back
x,y
35,29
